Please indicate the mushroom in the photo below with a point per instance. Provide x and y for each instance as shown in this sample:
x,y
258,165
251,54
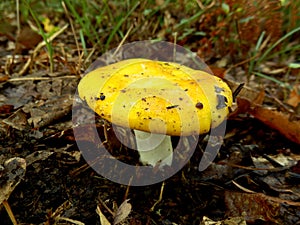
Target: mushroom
x,y
157,100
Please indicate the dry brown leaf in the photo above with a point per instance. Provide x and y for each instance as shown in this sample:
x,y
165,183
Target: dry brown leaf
x,y
13,173
259,98
27,39
18,120
103,219
256,206
279,121
122,212
229,221
294,97
251,101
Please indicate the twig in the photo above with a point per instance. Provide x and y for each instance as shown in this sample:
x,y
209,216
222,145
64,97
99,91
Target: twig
x,y
160,197
40,78
9,212
74,34
242,188
18,17
128,188
122,41
70,220
106,207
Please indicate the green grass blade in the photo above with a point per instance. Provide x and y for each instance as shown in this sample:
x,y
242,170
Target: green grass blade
x,y
267,52
44,35
258,44
282,84
118,25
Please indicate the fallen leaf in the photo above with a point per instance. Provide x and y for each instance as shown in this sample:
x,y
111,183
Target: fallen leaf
x,y
103,219
279,121
257,206
18,120
251,101
229,221
122,212
27,39
259,98
294,97
14,171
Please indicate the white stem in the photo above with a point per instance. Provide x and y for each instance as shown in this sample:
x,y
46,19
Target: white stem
x,y
154,149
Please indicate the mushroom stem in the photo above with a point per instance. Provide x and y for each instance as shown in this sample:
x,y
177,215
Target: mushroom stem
x,y
154,149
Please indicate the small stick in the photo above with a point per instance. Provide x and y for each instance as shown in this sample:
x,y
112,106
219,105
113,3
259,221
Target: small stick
x,y
9,212
122,41
160,197
127,189
106,207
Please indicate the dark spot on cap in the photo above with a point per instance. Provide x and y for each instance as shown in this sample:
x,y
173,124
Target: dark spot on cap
x,y
123,90
221,101
186,89
225,99
218,89
102,97
199,105
144,99
180,99
126,75
172,106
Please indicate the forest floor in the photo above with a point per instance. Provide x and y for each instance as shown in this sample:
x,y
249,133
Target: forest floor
x,y
44,178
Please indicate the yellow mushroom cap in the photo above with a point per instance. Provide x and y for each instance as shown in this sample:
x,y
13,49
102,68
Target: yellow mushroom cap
x,y
157,97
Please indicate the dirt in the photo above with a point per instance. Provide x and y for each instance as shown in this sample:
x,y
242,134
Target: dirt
x,y
60,184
